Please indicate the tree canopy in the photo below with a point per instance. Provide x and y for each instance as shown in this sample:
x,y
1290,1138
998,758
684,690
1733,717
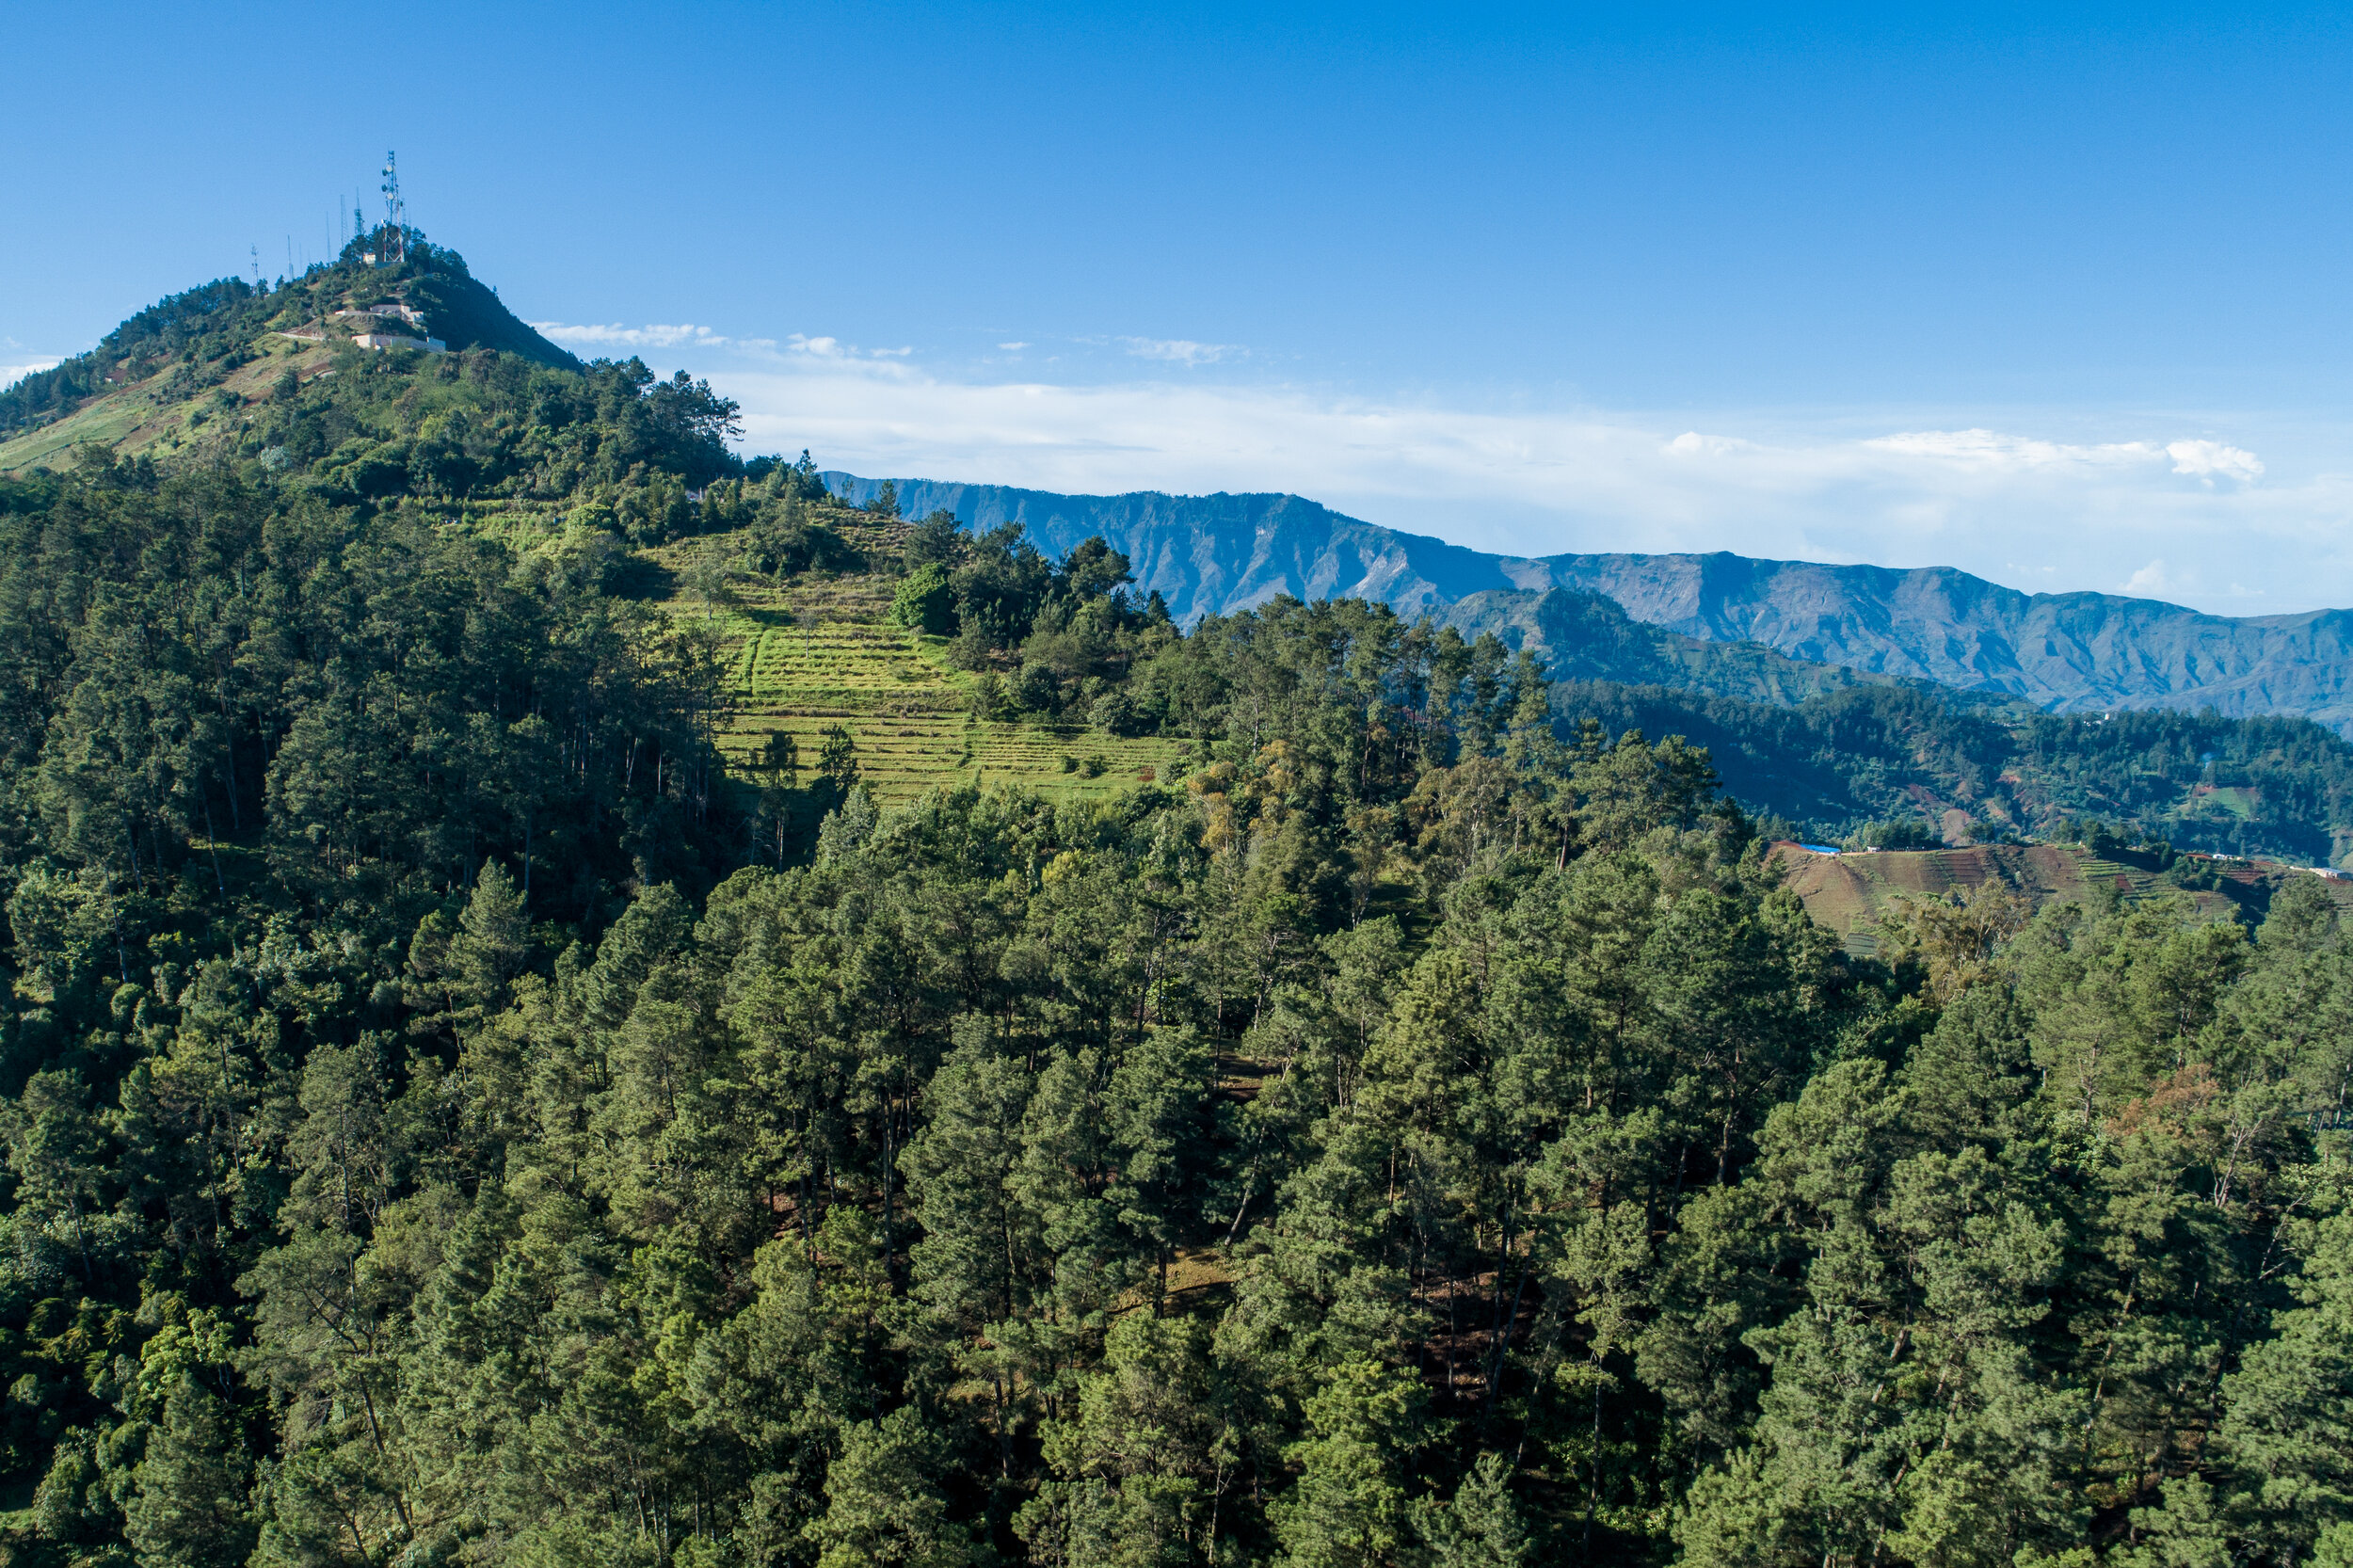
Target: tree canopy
x,y
438,1125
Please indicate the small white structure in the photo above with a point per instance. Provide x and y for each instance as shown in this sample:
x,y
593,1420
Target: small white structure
x,y
393,339
408,313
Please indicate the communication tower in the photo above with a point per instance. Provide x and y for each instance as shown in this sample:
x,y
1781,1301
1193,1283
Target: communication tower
x,y
394,247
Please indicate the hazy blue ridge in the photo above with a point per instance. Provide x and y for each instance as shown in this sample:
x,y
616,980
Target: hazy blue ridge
x,y
2068,653
1585,637
1213,555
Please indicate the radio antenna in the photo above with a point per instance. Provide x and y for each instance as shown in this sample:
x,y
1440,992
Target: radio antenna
x,y
395,247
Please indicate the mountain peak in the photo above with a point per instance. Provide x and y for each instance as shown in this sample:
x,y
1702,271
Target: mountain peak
x,y
426,300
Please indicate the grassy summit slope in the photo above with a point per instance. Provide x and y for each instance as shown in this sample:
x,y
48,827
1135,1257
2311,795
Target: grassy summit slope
x,y
158,415
189,368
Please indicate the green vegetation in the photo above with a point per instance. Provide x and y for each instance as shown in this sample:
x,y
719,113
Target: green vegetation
x,y
191,341
1586,637
1900,760
574,999
819,650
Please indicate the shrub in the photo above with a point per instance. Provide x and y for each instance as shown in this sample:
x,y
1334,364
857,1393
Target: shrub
x,y
924,601
971,650
1115,713
1037,689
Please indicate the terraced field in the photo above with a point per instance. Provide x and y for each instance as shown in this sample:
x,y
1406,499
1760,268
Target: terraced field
x,y
820,652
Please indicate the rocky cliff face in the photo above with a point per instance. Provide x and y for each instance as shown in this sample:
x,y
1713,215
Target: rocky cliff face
x,y
2065,652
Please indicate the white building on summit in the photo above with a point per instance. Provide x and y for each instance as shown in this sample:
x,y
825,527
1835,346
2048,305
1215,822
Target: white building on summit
x,y
394,339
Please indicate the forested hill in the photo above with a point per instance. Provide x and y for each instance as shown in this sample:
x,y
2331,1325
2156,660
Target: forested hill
x,y
2063,652
1584,637
489,1080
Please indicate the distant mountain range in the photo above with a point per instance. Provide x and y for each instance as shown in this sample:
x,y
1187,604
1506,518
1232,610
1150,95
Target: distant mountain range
x,y
2075,653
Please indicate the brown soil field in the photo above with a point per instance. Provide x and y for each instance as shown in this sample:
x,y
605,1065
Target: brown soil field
x,y
1849,893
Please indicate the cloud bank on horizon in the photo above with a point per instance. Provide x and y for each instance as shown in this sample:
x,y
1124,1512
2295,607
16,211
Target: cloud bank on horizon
x,y
2167,513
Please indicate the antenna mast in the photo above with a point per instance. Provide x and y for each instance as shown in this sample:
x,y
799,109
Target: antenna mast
x,y
395,247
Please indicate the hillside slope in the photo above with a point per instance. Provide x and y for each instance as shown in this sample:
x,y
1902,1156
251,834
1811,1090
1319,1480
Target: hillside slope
x,y
2071,652
814,654
1849,894
155,382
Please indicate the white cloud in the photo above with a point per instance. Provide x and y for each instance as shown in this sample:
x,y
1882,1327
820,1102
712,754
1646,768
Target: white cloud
x,y
1181,351
2211,460
834,349
798,346
1012,347
2153,580
617,336
11,375
2202,460
1692,444
2162,512
1992,449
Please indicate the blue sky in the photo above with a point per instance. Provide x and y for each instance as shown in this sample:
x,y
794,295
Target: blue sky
x,y
2058,296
